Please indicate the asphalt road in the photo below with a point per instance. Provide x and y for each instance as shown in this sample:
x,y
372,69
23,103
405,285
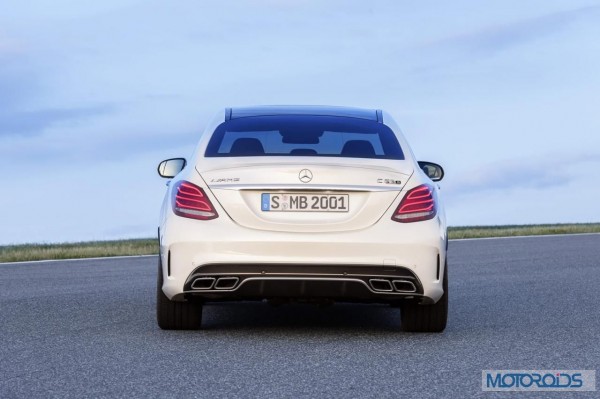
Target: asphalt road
x,y
87,329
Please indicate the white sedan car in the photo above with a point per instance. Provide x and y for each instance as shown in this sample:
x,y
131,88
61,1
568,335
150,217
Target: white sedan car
x,y
311,204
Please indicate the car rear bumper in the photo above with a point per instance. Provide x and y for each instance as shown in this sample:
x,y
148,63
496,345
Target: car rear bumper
x,y
379,264
335,282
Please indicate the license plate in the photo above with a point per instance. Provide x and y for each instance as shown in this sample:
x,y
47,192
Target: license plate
x,y
304,202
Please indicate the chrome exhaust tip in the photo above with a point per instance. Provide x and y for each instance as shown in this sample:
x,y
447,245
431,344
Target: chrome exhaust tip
x,y
404,286
226,283
203,283
380,285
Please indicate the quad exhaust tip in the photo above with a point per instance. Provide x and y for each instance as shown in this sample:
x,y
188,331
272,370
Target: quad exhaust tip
x,y
404,286
203,283
226,283
215,283
381,285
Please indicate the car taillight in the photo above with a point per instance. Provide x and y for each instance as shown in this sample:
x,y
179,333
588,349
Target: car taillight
x,y
418,204
190,201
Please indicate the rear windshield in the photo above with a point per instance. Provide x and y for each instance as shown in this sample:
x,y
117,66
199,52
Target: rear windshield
x,y
304,135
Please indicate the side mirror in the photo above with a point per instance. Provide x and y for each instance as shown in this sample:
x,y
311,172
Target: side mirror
x,y
170,167
434,171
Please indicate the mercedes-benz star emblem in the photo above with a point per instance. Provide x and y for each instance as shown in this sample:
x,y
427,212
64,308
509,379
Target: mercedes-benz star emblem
x,y
305,175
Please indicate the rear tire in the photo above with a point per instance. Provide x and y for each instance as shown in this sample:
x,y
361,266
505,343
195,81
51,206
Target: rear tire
x,y
427,318
173,315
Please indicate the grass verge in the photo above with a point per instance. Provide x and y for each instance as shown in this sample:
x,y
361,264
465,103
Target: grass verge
x,y
521,230
149,246
90,249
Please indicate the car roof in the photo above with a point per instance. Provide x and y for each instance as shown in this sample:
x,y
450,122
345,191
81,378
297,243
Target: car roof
x,y
321,110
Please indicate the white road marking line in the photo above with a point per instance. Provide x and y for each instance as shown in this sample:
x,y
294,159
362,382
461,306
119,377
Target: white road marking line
x,y
77,259
530,236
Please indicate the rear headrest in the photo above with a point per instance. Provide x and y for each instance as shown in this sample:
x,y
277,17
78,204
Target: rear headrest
x,y
358,149
247,147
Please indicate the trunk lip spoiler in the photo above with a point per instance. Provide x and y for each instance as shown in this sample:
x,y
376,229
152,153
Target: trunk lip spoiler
x,y
307,188
204,168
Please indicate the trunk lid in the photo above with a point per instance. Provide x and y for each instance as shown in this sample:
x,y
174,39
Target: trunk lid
x,y
303,196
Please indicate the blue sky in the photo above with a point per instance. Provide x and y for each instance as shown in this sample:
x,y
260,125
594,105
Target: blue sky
x,y
504,94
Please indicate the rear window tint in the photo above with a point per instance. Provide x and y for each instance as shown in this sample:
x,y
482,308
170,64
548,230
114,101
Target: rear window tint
x,y
304,135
